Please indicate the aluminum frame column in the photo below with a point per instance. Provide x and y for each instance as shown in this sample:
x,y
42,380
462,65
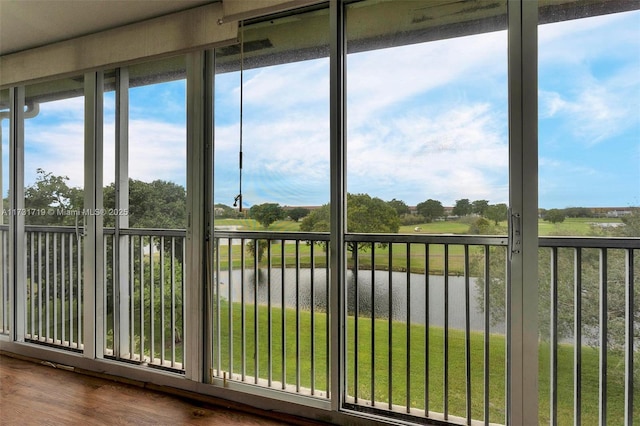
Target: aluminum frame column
x,y
337,287
121,330
93,274
17,255
522,283
196,214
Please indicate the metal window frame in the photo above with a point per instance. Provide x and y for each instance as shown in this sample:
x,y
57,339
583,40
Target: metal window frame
x,y
121,327
522,283
17,255
93,266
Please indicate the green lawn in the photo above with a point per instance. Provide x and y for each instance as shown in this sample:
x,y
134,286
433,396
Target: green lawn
x,y
576,227
397,356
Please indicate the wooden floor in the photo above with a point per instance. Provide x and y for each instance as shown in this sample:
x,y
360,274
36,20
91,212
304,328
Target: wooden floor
x,y
36,394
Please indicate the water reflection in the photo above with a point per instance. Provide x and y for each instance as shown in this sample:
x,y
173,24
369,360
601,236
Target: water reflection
x,y
301,286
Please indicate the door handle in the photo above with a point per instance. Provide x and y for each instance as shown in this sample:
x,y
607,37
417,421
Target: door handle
x,y
515,233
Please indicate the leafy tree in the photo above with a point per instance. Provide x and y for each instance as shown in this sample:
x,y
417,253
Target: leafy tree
x,y
554,216
496,212
267,213
51,192
318,220
262,247
631,226
222,211
298,213
364,215
399,206
430,209
479,207
577,212
480,226
462,207
158,204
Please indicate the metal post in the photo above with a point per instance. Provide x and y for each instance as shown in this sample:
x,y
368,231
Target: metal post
x,y
522,285
337,291
93,273
196,217
121,242
17,254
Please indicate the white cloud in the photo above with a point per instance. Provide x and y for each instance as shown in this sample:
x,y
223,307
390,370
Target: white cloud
x,y
452,154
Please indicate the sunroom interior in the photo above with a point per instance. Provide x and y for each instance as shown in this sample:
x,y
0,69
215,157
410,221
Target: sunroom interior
x,y
152,155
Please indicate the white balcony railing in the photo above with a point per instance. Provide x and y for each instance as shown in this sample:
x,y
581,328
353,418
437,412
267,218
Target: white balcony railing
x,y
424,316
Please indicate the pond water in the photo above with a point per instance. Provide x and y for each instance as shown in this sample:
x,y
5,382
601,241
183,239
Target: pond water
x,y
316,284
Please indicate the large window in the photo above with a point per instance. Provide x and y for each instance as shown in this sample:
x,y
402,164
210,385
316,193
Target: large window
x,y
53,211
271,172
144,254
427,153
589,186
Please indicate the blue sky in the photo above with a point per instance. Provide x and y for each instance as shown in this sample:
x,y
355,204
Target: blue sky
x,y
424,121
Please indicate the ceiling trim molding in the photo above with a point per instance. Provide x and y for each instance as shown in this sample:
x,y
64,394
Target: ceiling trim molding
x,y
180,32
241,10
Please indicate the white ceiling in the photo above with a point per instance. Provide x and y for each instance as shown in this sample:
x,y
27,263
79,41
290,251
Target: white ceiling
x,y
25,24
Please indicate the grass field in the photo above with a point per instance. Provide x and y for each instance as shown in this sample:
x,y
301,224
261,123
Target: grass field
x,y
574,227
571,226
393,359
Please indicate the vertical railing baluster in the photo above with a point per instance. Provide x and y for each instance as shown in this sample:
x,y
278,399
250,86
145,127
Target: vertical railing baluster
x,y
427,327
230,305
104,294
32,284
162,307
79,293
217,337
390,325
445,393
40,286
467,332
71,282
47,275
628,338
152,308
63,290
356,352
141,272
602,396
55,288
373,325
256,271
312,302
408,325
297,260
132,310
327,339
243,314
577,343
487,360
182,298
282,316
553,379
173,301
269,331
4,292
